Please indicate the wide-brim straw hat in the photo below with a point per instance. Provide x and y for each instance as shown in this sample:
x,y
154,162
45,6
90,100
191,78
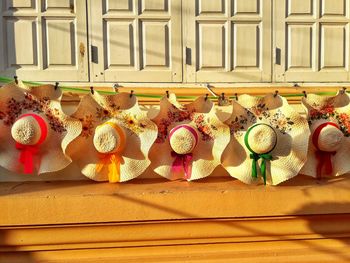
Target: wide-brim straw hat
x,y
266,133
34,130
110,121
191,139
329,120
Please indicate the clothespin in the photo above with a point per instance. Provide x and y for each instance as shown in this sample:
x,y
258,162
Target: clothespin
x,y
115,87
56,85
223,101
92,90
16,79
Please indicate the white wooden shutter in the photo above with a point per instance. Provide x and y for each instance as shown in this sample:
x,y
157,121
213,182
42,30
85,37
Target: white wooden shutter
x,y
136,40
43,40
312,37
228,40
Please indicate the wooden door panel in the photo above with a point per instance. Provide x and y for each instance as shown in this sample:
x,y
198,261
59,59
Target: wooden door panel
x,y
333,7
313,38
120,54
333,45
137,40
66,4
21,42
155,45
211,55
58,37
246,7
229,40
300,37
299,7
246,46
43,40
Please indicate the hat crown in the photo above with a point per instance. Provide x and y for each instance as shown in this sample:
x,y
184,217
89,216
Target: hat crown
x,y
262,138
106,139
183,139
26,131
330,139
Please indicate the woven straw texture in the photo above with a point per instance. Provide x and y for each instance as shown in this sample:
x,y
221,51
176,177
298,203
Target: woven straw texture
x,y
289,154
16,100
321,109
213,137
123,110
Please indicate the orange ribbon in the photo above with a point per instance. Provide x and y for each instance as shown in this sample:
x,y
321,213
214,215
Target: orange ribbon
x,y
112,161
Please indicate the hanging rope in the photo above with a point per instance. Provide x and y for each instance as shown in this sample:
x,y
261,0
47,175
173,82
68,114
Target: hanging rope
x,y
82,90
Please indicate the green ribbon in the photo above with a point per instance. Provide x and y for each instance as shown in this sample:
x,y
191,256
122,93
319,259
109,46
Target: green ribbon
x,y
256,156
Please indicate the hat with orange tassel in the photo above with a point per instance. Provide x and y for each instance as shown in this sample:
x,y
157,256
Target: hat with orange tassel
x,y
116,137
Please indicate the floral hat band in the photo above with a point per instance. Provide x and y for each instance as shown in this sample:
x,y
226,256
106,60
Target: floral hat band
x,y
110,147
29,131
261,140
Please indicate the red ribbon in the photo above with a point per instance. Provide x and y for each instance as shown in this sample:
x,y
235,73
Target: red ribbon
x,y
26,156
182,161
323,157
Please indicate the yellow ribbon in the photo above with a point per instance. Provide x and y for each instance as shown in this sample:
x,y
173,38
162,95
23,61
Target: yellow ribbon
x,y
112,161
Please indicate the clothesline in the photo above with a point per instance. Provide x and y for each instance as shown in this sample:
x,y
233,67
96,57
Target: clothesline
x,y
154,96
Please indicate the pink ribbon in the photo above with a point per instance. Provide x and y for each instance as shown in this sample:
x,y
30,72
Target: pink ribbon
x,y
28,152
183,161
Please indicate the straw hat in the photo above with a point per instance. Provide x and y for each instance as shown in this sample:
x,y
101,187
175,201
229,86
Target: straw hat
x,y
329,120
190,139
35,129
110,123
268,140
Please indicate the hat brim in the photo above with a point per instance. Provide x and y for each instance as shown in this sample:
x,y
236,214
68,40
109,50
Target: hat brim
x,y
140,132
321,109
289,154
212,140
62,128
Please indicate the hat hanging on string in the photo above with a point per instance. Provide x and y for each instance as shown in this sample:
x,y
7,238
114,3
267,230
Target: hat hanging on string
x,y
268,140
329,120
190,139
115,139
35,129
43,91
